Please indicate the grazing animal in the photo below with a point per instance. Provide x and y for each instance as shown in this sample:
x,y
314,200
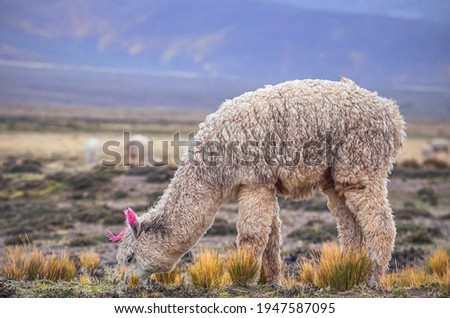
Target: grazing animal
x,y
135,150
92,147
288,140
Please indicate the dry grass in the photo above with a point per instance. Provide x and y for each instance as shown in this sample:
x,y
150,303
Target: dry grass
x,y
435,271
262,276
122,272
23,263
342,268
307,273
171,278
30,264
60,267
337,267
407,277
133,282
438,263
85,280
89,260
207,270
242,266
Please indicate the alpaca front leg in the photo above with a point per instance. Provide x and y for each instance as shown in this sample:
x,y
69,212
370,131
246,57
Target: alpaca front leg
x,y
350,232
255,217
372,210
272,254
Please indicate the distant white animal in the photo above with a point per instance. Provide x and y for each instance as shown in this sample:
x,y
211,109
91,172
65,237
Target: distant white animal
x,y
439,145
92,147
437,148
136,150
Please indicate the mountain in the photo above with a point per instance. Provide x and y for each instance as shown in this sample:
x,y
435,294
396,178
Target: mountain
x,y
194,54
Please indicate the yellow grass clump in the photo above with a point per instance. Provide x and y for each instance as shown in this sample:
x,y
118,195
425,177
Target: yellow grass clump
x,y
23,263
30,264
438,263
407,277
337,267
207,270
262,276
171,278
122,272
435,271
342,268
307,273
59,267
89,260
85,280
133,282
242,266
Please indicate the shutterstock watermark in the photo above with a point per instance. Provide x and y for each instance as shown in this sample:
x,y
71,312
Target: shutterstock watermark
x,y
270,151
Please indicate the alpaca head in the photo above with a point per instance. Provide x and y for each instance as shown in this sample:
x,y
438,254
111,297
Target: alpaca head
x,y
142,250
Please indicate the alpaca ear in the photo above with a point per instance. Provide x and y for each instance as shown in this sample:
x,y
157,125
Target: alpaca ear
x,y
132,221
136,228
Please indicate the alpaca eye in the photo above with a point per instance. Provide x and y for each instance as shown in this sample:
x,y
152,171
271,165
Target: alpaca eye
x,y
129,259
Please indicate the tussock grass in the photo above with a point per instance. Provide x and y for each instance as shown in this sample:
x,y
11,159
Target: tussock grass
x,y
438,263
59,267
89,260
85,280
337,267
407,277
342,268
262,276
122,272
23,263
133,282
242,266
308,274
207,270
171,278
435,271
31,264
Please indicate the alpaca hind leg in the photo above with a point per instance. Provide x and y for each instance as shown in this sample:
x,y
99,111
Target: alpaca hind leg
x,y
272,253
255,217
350,232
370,205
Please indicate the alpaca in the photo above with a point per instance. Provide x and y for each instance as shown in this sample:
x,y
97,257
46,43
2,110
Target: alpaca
x,y
135,150
288,140
92,147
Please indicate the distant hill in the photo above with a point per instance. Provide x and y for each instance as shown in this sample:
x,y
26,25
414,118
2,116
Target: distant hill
x,y
194,54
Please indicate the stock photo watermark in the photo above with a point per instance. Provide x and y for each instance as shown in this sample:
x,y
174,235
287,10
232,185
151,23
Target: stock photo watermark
x,y
270,151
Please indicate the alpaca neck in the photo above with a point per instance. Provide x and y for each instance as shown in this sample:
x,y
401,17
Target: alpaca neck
x,y
186,210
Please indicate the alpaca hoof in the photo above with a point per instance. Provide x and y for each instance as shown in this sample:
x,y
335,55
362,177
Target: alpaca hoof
x,y
373,282
275,285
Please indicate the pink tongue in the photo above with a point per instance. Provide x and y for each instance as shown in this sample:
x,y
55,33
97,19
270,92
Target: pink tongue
x,y
115,238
